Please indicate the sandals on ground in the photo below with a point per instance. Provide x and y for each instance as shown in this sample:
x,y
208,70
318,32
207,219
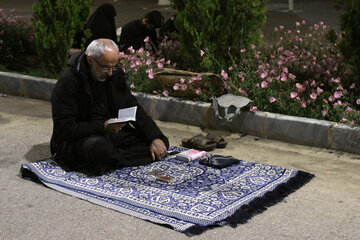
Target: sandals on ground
x,y
218,140
198,142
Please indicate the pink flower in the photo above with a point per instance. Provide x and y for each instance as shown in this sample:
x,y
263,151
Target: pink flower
x,y
147,39
281,27
148,62
276,29
293,94
337,94
131,49
160,65
264,84
272,99
253,109
132,85
230,68
182,80
297,24
303,104
303,22
150,73
331,98
198,91
344,119
176,86
184,87
253,46
348,109
358,101
242,91
243,50
339,88
313,96
324,113
285,70
165,93
264,74
202,53
283,77
288,53
224,74
316,26
319,90
300,87
292,76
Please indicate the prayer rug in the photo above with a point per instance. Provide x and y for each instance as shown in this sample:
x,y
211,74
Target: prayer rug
x,y
198,197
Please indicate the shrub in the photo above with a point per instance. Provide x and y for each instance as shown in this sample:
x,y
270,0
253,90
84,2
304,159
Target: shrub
x,y
139,65
223,28
16,36
55,24
299,73
350,47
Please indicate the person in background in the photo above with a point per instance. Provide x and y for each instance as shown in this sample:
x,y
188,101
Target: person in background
x,y
167,28
84,99
101,24
134,32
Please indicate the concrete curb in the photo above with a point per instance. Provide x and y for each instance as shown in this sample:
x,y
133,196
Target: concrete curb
x,y
298,130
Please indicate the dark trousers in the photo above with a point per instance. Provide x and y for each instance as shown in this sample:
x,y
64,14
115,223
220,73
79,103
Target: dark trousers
x,y
100,153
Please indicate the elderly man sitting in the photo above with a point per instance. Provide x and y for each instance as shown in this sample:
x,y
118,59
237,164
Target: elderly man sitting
x,y
84,99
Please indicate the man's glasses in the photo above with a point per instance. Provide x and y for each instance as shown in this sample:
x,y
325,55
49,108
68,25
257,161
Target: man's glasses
x,y
106,69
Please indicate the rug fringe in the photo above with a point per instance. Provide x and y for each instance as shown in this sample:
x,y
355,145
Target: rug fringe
x,y
258,205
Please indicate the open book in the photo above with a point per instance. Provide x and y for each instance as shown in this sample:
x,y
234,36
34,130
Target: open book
x,y
125,115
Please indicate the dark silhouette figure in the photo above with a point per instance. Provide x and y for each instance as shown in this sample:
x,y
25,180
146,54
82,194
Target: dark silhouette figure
x,y
167,28
101,24
134,32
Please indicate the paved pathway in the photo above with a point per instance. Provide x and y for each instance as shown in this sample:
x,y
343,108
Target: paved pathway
x,y
326,208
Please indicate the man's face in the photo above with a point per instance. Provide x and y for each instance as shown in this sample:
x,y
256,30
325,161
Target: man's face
x,y
103,66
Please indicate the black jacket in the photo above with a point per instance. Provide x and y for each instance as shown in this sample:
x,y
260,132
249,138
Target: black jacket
x,y
134,33
101,24
72,100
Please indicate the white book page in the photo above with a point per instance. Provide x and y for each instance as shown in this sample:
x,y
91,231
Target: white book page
x,y
125,115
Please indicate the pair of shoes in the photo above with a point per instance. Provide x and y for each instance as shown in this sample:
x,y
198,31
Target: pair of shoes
x,y
213,138
203,143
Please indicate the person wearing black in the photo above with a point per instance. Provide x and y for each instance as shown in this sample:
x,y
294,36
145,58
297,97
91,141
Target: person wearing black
x,y
134,32
84,99
101,24
167,28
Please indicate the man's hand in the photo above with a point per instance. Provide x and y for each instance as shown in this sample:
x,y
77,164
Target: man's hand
x,y
158,149
113,127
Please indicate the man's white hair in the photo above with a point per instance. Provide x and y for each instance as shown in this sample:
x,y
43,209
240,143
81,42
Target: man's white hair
x,y
97,47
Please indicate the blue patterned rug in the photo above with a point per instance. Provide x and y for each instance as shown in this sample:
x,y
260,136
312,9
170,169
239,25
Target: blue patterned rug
x,y
198,198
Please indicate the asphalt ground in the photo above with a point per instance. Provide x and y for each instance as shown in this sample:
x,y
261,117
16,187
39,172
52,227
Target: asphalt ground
x,y
325,208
